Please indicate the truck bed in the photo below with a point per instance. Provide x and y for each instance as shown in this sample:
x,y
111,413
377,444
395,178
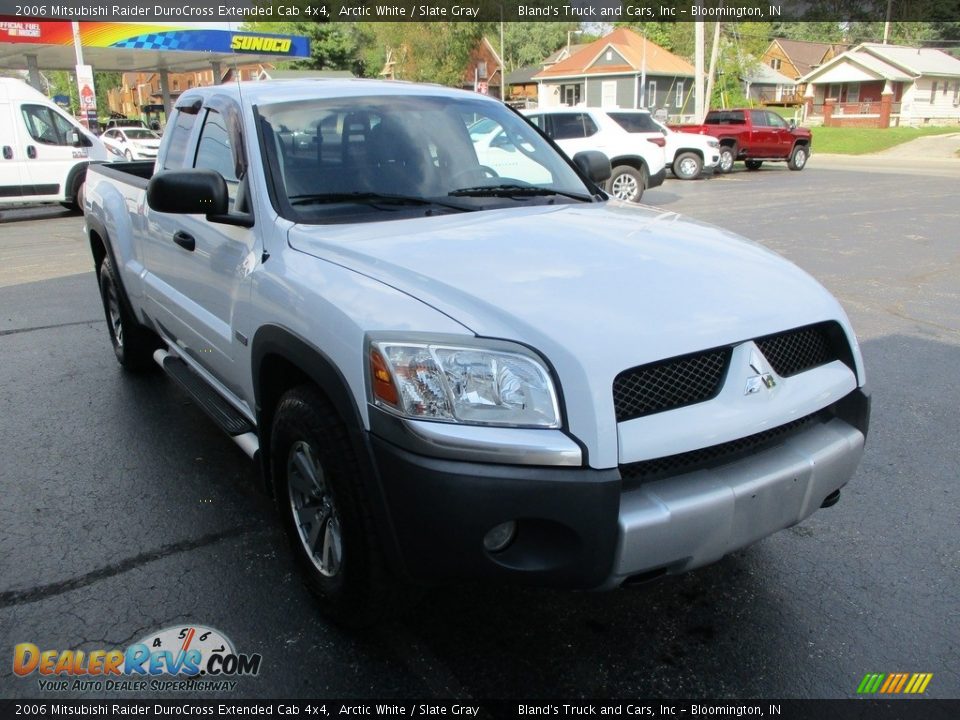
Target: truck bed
x,y
136,172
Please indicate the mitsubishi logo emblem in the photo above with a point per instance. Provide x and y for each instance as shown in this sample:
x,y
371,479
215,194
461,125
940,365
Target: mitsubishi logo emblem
x,y
763,379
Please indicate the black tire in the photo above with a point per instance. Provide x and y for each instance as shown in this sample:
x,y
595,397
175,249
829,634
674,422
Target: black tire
x,y
798,158
627,183
76,205
687,166
132,343
728,156
753,164
344,568
128,155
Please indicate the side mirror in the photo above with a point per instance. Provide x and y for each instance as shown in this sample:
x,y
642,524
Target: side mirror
x,y
75,139
188,192
793,124
594,164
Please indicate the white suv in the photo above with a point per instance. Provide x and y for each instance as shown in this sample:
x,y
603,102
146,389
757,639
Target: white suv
x,y
637,163
686,154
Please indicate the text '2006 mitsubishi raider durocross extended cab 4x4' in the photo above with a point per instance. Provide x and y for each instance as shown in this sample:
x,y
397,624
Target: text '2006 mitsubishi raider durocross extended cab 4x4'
x,y
455,370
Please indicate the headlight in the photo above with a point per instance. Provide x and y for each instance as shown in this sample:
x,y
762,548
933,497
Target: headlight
x,y
713,143
473,385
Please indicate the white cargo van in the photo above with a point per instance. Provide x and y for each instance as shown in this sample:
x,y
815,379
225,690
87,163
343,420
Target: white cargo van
x,y
44,152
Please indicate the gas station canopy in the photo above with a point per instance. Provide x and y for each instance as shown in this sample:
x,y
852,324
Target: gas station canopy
x,y
137,47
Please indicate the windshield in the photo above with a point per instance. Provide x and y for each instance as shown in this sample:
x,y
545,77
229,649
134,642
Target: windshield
x,y
141,135
334,159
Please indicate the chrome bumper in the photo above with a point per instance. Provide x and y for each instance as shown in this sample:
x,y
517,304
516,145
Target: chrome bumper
x,y
683,522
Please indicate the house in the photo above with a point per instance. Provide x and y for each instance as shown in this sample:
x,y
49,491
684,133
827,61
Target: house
x,y
484,71
620,70
795,58
764,85
522,88
141,89
876,85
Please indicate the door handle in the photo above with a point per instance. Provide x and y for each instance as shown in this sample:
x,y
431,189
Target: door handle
x,y
31,152
184,240
7,152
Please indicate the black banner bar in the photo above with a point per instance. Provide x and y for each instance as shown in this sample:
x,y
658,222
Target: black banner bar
x,y
564,11
855,709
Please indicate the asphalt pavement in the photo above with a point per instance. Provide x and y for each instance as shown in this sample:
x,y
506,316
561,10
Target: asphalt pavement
x,y
123,510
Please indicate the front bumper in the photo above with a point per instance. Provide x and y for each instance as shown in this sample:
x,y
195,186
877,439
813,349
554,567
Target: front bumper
x,y
580,527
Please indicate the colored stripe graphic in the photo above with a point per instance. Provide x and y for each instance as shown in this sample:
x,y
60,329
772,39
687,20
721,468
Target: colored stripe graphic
x,y
894,683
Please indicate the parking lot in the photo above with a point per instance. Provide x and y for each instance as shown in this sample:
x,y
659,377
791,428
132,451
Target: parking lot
x,y
125,511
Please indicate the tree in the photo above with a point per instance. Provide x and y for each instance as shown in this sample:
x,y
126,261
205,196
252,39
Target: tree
x,y
333,46
529,43
436,52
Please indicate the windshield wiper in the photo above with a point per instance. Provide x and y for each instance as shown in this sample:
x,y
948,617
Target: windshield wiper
x,y
509,190
370,198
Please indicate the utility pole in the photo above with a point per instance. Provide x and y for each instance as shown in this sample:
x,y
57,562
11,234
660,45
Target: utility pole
x,y
886,25
698,74
714,51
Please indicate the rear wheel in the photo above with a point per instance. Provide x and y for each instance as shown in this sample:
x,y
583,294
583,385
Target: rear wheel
x,y
798,159
753,164
132,343
687,166
627,183
728,155
324,511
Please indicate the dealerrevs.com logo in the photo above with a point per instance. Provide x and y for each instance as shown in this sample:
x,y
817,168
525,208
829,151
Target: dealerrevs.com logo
x,y
193,658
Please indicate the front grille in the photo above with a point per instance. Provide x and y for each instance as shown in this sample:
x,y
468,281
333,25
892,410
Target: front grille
x,y
647,470
797,350
669,384
681,381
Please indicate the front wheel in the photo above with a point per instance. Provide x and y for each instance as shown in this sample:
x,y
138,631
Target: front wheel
x,y
324,510
627,183
687,166
728,155
798,159
128,155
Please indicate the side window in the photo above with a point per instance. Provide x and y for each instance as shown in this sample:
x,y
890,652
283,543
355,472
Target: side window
x,y
776,121
215,153
179,140
589,126
759,118
536,120
41,124
566,126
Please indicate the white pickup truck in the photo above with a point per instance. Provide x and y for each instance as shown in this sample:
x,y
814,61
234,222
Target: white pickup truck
x,y
451,372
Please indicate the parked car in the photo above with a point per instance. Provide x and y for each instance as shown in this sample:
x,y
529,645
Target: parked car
x,y
447,374
496,151
637,163
45,152
686,154
133,143
755,136
125,123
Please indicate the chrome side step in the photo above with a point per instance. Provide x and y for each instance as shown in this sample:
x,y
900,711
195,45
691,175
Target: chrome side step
x,y
227,418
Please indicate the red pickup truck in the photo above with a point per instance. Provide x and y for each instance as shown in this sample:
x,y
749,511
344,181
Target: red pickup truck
x,y
754,136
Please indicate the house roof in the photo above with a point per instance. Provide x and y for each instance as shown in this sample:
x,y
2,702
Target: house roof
x,y
893,62
805,54
562,54
522,76
917,61
630,47
766,75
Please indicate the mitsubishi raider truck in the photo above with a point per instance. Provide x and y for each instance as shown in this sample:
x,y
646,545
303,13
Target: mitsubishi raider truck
x,y
448,372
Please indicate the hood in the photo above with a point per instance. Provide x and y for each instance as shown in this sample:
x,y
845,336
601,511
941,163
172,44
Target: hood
x,y
640,283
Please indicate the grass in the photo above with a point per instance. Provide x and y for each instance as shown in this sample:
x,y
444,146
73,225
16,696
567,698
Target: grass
x,y
860,141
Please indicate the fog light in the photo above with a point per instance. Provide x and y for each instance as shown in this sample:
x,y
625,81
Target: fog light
x,y
500,536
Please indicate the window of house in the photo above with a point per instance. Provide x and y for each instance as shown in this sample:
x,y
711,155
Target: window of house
x,y
652,94
482,69
609,55
176,84
775,63
678,100
570,94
